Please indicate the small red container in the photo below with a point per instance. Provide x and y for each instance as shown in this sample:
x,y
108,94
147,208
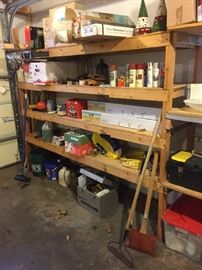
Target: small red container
x,y
75,107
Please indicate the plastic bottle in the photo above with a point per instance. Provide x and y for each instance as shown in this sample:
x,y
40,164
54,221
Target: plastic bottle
x,y
149,74
47,131
113,75
156,74
132,75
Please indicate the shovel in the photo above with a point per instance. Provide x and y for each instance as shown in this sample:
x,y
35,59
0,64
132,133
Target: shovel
x,y
140,240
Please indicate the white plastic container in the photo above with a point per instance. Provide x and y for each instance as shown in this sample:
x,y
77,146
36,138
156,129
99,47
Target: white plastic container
x,y
183,227
195,104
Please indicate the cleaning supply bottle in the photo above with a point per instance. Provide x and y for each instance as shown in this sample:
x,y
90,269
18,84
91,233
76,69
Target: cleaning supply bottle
x,y
47,131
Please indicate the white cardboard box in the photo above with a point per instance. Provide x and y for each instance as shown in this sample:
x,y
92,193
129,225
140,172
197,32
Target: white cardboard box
x,y
128,121
106,30
137,111
195,91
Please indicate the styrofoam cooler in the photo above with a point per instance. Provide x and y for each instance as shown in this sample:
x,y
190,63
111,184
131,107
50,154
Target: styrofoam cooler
x,y
183,227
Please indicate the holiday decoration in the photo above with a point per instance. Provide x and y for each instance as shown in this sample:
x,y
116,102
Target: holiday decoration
x,y
160,18
143,22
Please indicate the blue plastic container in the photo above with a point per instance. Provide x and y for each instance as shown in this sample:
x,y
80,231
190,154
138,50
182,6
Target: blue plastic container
x,y
51,167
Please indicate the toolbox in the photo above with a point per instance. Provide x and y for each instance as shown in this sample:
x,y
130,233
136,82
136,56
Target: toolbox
x,y
183,227
185,170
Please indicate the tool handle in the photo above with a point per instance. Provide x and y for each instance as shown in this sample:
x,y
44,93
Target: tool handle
x,y
144,226
139,183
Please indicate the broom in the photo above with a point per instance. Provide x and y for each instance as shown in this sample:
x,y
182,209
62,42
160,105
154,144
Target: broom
x,y
21,177
141,241
112,246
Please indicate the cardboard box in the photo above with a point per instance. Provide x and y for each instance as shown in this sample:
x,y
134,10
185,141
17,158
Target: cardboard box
x,y
181,11
106,30
61,26
97,106
91,115
49,35
128,121
136,111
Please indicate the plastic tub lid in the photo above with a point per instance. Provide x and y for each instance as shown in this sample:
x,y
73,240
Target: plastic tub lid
x,y
186,213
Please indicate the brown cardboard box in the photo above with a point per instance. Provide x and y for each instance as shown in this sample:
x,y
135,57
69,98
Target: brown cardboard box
x,y
180,11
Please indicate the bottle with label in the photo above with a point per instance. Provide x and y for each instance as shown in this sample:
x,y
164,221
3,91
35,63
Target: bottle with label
x,y
149,74
156,75
132,75
127,76
140,75
113,75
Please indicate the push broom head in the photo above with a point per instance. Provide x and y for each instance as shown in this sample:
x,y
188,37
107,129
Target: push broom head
x,y
22,178
141,242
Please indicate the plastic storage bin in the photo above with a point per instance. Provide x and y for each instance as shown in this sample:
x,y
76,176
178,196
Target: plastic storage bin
x,y
183,227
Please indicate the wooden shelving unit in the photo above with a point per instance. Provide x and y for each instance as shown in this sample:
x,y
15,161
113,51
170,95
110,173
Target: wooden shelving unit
x,y
183,190
185,114
127,134
165,95
151,94
194,28
98,162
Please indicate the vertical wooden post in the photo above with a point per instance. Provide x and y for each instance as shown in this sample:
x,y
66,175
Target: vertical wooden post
x,y
170,55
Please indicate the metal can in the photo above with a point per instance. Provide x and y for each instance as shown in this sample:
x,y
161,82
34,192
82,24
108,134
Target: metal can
x,y
121,81
140,75
113,74
61,110
132,75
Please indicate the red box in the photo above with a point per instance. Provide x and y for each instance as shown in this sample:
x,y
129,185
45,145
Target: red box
x,y
75,107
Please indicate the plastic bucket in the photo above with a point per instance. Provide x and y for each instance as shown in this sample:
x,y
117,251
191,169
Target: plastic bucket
x,y
37,162
51,167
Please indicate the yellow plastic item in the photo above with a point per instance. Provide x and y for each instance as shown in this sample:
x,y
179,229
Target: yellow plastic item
x,y
182,156
110,153
131,163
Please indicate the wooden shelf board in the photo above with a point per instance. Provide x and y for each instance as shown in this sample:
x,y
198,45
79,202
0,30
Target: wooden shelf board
x,y
151,94
154,40
121,133
183,190
98,162
185,114
194,28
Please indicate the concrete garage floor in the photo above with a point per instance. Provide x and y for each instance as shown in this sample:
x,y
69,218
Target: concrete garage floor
x,y
33,238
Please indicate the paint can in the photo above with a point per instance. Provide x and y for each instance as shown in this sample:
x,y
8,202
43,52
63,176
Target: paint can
x,y
61,110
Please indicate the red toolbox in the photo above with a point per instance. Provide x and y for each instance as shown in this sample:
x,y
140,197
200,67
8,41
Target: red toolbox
x,y
75,107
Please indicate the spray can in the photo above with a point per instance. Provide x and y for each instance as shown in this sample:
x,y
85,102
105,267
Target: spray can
x,y
132,75
156,74
113,75
149,74
140,75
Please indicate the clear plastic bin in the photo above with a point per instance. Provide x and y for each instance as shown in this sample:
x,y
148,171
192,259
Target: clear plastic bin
x,y
183,227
